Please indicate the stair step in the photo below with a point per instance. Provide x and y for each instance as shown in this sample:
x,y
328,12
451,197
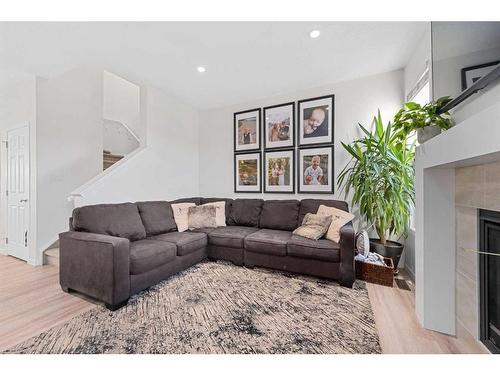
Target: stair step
x,y
108,159
112,158
51,256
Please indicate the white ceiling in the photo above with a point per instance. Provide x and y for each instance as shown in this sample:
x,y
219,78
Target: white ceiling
x,y
244,61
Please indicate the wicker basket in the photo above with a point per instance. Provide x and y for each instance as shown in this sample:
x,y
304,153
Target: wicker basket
x,y
375,273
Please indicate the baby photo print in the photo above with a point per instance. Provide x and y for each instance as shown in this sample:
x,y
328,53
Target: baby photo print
x,y
316,120
316,170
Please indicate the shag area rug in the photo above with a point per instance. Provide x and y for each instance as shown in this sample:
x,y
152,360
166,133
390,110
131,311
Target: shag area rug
x,y
215,307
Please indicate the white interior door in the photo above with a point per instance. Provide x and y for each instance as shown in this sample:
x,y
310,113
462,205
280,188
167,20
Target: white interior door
x,y
18,177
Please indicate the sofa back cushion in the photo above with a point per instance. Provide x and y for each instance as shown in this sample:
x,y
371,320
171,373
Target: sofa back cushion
x,y
157,217
119,220
195,200
310,206
279,214
245,212
228,201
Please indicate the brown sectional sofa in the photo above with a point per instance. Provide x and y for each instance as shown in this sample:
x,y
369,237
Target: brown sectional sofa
x,y
113,251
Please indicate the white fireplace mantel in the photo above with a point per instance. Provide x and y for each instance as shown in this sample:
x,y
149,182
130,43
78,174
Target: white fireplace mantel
x,y
474,141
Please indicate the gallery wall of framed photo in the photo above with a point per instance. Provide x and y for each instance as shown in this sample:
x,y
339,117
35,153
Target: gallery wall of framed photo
x,y
285,148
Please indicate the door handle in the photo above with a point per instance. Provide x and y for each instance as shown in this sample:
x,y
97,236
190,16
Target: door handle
x,y
23,200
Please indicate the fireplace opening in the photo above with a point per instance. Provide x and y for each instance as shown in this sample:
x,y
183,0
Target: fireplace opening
x,y
489,279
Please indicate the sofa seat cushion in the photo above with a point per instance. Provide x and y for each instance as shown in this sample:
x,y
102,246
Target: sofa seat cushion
x,y
301,247
187,242
202,230
231,236
146,255
118,220
157,217
268,241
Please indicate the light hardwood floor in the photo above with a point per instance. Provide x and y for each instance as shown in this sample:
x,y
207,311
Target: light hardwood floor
x,y
31,302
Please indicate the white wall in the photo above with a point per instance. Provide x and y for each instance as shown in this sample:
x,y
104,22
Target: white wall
x,y
18,108
167,168
472,142
456,47
413,70
477,102
69,145
355,101
117,139
418,61
447,72
121,101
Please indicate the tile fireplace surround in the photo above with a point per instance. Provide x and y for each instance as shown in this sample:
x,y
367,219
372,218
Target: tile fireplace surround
x,y
457,172
476,187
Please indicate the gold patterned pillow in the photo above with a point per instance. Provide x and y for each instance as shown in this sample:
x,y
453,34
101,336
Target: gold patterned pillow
x,y
313,226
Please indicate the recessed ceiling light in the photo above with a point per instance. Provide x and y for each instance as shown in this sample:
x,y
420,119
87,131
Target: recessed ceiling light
x,y
201,69
314,34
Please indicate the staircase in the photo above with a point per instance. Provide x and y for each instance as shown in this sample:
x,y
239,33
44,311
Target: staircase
x,y
108,159
51,256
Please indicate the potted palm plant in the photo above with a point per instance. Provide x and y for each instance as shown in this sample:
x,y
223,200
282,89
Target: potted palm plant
x,y
428,120
380,176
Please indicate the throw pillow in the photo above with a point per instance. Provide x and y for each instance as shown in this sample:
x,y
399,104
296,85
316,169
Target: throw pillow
x,y
180,211
313,226
202,217
220,212
339,219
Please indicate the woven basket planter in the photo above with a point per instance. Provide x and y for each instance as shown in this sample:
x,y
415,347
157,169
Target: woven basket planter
x,y
376,274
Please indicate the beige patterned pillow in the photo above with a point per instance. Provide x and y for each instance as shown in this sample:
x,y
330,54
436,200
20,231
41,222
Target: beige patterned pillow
x,y
202,217
220,212
180,211
313,226
339,219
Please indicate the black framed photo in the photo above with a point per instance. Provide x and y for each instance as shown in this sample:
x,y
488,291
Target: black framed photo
x,y
247,130
315,170
315,120
472,74
247,173
279,126
279,169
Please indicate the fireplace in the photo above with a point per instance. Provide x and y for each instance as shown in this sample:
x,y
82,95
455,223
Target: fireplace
x,y
489,279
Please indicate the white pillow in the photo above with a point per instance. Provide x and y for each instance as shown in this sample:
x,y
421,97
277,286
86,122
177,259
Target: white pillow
x,y
220,212
180,211
339,219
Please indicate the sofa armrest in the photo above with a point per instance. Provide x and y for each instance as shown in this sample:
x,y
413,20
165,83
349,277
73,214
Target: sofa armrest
x,y
96,265
347,274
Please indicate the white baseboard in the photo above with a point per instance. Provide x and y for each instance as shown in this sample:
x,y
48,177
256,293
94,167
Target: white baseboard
x,y
410,273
